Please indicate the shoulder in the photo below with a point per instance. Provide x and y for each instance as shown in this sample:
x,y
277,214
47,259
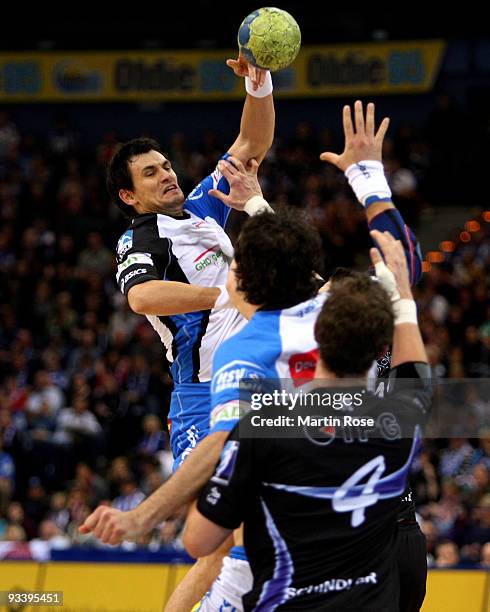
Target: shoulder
x,y
142,236
243,343
253,340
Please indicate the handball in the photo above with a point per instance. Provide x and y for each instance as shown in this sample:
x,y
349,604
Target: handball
x,y
269,38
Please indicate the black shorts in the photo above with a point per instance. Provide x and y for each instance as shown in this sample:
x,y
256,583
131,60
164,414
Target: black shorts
x,y
412,566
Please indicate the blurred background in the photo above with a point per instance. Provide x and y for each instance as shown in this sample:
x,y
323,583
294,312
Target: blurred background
x,y
84,384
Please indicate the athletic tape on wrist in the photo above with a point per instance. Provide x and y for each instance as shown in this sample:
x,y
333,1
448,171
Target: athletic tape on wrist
x,y
387,279
405,311
368,181
257,204
263,90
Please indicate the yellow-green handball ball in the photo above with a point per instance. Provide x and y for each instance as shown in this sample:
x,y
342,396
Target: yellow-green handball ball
x,y
269,38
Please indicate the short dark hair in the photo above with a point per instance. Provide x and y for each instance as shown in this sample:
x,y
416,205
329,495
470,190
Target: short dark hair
x,y
355,325
276,256
118,171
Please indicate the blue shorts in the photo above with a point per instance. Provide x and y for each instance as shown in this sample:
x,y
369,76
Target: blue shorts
x,y
188,418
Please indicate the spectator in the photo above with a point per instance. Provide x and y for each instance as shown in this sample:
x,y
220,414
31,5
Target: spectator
x,y
479,528
77,422
52,535
14,533
96,257
78,431
36,503
45,398
447,554
153,440
130,496
58,512
16,516
485,556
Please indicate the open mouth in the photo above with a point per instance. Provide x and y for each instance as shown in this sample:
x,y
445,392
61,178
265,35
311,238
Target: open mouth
x,y
170,188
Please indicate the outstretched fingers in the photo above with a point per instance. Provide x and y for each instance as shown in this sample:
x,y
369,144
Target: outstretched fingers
x,y
370,120
347,122
381,133
359,117
331,158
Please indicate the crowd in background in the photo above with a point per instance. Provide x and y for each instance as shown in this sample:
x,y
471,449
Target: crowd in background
x,y
84,384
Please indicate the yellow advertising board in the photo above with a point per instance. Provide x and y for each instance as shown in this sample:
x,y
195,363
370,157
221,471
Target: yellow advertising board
x,y
154,76
130,587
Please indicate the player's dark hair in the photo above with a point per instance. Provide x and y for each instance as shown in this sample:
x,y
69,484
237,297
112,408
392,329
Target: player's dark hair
x,y
276,256
118,171
355,325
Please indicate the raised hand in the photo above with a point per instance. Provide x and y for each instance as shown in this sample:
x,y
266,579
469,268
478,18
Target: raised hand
x,y
363,143
242,68
242,180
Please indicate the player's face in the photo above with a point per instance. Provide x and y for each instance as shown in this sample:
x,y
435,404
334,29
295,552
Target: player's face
x,y
155,185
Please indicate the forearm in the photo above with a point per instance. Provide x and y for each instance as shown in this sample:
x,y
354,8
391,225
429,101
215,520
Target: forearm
x,y
407,339
184,485
256,129
407,345
376,208
198,580
170,298
384,217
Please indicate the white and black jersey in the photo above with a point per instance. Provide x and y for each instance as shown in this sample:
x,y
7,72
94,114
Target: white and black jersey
x,y
194,249
320,519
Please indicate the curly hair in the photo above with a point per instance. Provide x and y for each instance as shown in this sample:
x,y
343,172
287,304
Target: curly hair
x,y
276,258
119,174
354,325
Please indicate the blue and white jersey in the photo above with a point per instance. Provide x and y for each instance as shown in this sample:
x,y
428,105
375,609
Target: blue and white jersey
x,y
194,249
275,344
281,344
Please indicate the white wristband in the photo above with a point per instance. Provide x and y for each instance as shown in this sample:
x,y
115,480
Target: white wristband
x,y
257,204
223,300
368,181
262,91
405,311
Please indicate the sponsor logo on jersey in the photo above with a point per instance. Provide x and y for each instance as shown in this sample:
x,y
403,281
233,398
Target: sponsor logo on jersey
x,y
302,367
334,584
226,466
124,243
130,275
238,371
213,496
208,258
225,412
195,194
133,259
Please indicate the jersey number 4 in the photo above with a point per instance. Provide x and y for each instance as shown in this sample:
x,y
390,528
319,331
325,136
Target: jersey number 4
x,y
355,498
